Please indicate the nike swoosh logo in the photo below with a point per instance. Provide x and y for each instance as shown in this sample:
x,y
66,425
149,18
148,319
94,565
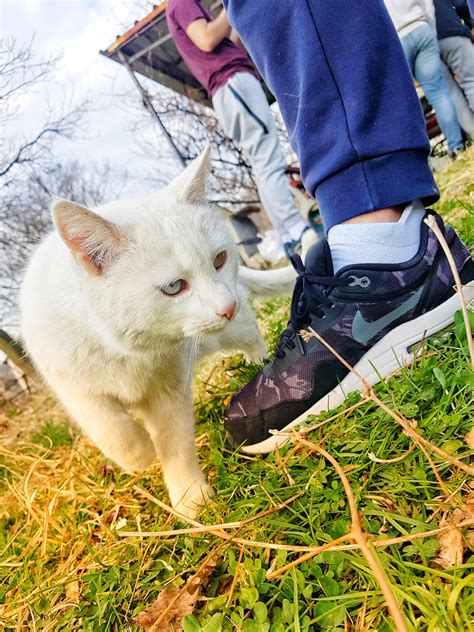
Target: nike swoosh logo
x,y
363,331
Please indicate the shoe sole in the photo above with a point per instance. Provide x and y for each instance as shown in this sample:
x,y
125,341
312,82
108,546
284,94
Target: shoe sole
x,y
392,352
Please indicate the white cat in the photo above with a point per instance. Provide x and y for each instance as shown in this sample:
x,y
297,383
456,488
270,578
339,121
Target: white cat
x,y
119,304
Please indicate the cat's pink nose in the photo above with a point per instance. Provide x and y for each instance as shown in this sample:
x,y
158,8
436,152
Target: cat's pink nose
x,y
228,311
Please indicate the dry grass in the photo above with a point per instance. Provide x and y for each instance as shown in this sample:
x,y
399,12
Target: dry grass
x,y
65,565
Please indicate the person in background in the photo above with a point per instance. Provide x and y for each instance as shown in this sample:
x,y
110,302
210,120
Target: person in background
x,y
454,27
420,44
240,104
463,111
381,282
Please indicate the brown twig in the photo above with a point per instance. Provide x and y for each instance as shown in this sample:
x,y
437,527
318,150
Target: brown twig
x,y
271,574
347,411
198,527
282,466
413,434
441,507
402,539
396,459
369,393
300,548
358,534
236,575
431,223
442,484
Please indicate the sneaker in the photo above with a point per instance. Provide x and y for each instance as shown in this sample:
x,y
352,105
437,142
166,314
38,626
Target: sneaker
x,y
456,154
294,246
371,314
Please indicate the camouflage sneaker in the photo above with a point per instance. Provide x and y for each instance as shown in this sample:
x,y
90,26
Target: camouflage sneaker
x,y
372,315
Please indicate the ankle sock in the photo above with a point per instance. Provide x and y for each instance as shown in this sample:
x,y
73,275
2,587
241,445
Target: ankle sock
x,y
389,242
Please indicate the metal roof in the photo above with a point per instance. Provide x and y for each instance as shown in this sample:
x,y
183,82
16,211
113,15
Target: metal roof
x,y
148,49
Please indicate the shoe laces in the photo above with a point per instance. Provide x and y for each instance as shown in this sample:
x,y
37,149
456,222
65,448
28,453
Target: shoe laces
x,y
310,296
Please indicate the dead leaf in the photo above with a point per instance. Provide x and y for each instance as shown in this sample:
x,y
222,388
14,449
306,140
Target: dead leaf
x,y
350,467
452,546
166,613
453,541
469,438
167,597
72,591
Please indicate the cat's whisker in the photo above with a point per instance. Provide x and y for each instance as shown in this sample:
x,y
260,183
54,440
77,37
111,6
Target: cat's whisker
x,y
192,359
187,342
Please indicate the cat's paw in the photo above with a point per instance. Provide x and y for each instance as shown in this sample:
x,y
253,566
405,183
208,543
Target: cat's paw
x,y
197,496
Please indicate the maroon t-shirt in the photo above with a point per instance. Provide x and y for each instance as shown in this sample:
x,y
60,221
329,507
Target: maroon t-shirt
x,y
212,69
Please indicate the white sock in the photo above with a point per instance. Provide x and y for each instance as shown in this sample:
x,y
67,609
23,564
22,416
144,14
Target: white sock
x,y
389,242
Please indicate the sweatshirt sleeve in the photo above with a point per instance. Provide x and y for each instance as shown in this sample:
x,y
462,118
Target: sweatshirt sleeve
x,y
430,12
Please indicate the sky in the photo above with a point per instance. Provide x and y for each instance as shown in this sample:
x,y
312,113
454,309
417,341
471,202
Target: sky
x,y
78,29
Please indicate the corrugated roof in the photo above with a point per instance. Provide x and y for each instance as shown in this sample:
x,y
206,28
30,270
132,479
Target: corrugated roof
x,y
134,31
148,49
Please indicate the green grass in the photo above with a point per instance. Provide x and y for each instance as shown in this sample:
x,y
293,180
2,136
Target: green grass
x,y
53,435
63,565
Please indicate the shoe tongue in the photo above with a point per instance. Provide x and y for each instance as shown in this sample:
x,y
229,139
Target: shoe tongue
x,y
318,260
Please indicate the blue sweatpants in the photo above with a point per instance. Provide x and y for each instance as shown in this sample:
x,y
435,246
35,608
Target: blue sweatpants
x,y
339,74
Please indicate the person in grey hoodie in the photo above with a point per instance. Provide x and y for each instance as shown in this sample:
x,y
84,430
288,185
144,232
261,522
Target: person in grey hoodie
x,y
454,24
420,43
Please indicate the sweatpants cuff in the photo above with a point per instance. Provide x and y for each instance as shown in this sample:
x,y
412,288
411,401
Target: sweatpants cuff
x,y
376,183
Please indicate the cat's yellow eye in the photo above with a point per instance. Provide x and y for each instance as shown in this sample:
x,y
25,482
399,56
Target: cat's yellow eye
x,y
220,259
174,288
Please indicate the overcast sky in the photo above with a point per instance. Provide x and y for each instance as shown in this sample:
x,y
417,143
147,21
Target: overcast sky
x,y
78,29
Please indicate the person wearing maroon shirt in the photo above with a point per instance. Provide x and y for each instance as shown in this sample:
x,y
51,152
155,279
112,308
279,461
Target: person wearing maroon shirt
x,y
240,104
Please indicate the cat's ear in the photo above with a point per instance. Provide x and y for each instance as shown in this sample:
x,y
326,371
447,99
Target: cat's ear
x,y
94,241
190,185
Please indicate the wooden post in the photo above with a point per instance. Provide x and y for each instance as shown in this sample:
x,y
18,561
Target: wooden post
x,y
16,353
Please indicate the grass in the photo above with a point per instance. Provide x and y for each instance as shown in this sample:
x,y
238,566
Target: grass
x,y
64,566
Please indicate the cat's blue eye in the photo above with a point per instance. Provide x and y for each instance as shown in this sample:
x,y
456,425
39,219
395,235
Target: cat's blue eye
x,y
174,288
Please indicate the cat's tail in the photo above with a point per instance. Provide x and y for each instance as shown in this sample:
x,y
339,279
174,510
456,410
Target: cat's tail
x,y
268,283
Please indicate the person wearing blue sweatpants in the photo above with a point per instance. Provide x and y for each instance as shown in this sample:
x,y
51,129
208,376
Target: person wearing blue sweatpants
x,y
415,24
380,283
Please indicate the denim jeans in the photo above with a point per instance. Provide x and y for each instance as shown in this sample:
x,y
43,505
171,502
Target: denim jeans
x,y
423,55
347,98
458,54
242,110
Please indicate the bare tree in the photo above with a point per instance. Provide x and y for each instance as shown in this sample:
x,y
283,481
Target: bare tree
x,y
21,74
29,171
25,217
191,125
132,11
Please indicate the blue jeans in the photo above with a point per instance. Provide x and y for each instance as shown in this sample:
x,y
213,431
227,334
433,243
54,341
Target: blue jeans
x,y
242,110
347,98
423,55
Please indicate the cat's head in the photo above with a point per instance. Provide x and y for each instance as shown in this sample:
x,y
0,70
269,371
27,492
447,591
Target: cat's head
x,y
165,265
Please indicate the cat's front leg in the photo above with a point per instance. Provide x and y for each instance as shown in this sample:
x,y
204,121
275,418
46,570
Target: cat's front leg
x,y
169,418
110,427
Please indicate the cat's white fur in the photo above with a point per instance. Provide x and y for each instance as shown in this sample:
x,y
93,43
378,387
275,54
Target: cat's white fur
x,y
106,338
